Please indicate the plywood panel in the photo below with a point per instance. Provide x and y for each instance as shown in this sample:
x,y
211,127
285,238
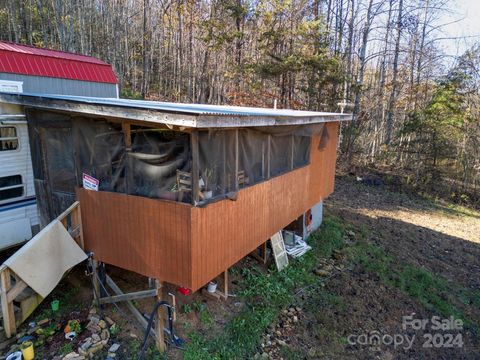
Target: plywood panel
x,y
148,236
226,231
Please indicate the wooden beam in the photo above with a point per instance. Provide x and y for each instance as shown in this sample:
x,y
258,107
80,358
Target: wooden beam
x,y
223,178
264,164
129,296
67,212
127,134
263,248
96,282
147,115
16,290
77,224
160,323
225,283
292,150
269,152
7,306
263,257
143,322
195,167
237,186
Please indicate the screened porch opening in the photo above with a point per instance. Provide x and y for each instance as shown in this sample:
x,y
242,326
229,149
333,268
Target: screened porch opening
x,y
191,166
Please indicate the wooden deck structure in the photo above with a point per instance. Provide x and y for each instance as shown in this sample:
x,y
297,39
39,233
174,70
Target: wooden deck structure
x,y
286,166
187,245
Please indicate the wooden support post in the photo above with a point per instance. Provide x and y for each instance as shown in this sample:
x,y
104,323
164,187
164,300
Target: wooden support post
x,y
195,167
292,151
269,155
264,164
223,179
7,306
127,138
96,282
263,249
225,283
160,323
263,253
127,135
77,224
237,155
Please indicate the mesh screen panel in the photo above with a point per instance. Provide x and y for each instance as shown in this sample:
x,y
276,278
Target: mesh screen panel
x,y
280,154
159,162
153,162
252,156
100,152
216,162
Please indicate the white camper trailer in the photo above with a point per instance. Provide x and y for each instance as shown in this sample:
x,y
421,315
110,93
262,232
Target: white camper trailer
x,y
18,210
26,69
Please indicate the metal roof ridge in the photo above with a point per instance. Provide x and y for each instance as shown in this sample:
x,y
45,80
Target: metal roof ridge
x,y
96,60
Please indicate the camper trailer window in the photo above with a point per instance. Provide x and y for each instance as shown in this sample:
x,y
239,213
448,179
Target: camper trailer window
x,y
8,138
11,187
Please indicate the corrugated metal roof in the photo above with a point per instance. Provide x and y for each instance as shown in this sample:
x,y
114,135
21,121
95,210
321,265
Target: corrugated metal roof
x,y
177,114
30,60
194,109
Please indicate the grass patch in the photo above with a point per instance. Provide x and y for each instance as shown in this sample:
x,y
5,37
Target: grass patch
x,y
66,348
432,291
428,289
206,317
265,295
291,354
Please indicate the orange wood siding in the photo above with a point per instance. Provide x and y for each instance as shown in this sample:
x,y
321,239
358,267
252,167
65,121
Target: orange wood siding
x,y
189,246
224,232
148,236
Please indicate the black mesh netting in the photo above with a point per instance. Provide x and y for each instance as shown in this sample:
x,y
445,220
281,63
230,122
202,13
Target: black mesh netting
x,y
148,169
100,152
154,160
216,163
159,162
262,153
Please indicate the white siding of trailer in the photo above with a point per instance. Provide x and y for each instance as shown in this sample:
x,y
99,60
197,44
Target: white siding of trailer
x,y
16,223
18,161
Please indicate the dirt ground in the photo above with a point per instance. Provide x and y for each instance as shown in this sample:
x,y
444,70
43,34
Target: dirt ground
x,y
442,240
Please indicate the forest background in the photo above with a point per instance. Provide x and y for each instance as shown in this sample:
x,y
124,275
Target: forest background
x,y
415,109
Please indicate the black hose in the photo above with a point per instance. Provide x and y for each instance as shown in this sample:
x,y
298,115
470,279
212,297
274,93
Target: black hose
x,y
150,323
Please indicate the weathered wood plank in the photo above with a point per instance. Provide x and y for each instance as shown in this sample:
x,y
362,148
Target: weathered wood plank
x,y
143,322
7,306
16,290
160,323
128,297
195,167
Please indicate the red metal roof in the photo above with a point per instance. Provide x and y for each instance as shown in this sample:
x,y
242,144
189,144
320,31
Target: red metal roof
x,y
30,60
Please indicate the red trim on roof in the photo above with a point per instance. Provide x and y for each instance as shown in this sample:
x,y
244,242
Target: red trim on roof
x,y
30,60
